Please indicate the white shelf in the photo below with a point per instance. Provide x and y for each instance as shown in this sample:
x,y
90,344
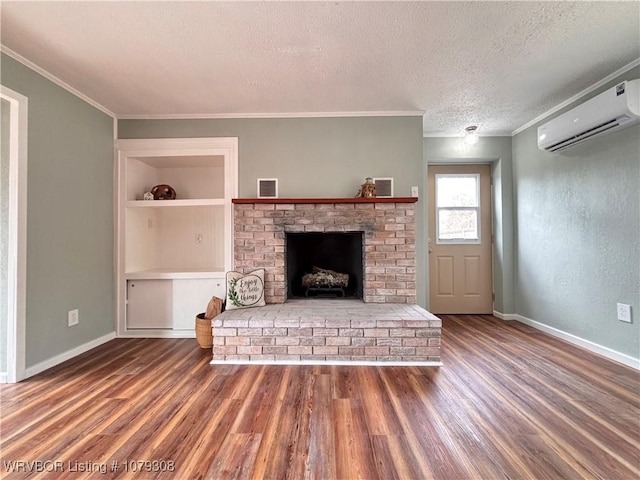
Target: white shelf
x,y
161,274
199,202
173,254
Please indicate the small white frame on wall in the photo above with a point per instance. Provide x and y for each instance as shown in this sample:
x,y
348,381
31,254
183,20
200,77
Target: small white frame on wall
x,y
267,187
384,186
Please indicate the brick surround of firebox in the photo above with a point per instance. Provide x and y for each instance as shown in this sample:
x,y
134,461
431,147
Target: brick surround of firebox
x,y
388,227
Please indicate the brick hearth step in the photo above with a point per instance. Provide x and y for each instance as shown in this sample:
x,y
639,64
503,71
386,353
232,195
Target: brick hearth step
x,y
327,331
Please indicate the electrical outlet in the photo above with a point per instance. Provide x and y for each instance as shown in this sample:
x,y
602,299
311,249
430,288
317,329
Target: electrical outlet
x,y
624,312
414,191
73,317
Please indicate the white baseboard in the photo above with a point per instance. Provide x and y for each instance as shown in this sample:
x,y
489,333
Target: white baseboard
x,y
326,362
504,316
157,333
68,355
581,342
3,377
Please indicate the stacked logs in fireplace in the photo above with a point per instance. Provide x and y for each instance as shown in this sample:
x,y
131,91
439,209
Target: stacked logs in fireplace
x,y
323,282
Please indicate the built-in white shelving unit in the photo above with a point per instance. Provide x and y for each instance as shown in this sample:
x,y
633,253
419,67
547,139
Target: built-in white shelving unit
x,y
173,254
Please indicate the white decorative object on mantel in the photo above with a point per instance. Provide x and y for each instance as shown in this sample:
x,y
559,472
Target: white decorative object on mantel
x,y
147,196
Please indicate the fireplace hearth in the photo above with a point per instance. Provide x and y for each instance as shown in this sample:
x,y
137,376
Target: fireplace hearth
x,y
324,264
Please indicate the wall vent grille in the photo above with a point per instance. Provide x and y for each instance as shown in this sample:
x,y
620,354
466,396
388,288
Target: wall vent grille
x,y
384,187
267,188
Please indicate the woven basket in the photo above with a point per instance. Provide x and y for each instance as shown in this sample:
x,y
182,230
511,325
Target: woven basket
x,y
204,334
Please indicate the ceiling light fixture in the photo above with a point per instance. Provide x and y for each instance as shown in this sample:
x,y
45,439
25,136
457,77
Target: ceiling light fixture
x,y
471,135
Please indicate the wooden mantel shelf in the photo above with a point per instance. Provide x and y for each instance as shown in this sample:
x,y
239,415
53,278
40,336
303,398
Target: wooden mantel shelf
x,y
326,200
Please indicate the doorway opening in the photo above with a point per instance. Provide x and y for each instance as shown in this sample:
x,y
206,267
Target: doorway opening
x,y
13,229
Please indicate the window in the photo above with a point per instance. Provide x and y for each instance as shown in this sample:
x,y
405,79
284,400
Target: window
x,y
458,208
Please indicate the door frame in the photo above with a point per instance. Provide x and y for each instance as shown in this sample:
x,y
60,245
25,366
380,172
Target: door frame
x,y
17,236
446,161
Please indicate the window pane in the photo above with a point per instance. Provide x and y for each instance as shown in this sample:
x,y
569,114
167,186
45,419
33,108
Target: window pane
x,y
457,191
458,225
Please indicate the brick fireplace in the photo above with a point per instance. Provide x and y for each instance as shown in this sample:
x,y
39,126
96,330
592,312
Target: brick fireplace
x,y
380,325
388,232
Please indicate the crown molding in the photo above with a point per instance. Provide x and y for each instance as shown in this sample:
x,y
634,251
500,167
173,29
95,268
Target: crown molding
x,y
579,95
205,116
51,77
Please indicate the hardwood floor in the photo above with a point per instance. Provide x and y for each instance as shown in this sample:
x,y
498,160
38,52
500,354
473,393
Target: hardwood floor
x,y
509,402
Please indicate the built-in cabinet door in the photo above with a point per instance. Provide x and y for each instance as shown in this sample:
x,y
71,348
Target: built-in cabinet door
x,y
174,304
191,296
149,304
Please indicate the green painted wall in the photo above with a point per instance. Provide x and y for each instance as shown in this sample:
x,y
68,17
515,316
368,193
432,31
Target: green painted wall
x,y
497,151
578,235
69,216
5,107
314,157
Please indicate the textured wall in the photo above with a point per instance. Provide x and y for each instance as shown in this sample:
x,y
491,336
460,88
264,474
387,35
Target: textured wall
x,y
315,157
578,236
497,151
69,216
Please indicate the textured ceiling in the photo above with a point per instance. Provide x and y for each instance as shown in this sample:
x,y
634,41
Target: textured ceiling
x,y
494,64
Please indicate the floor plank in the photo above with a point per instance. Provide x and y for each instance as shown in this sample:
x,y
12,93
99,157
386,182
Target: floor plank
x,y
510,402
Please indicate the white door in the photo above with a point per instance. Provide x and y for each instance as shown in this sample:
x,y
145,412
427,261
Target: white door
x,y
460,276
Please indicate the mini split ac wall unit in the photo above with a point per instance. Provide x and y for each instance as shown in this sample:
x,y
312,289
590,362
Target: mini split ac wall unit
x,y
612,110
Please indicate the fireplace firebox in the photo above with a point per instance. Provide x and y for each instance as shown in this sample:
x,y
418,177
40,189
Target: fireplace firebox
x,y
329,254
